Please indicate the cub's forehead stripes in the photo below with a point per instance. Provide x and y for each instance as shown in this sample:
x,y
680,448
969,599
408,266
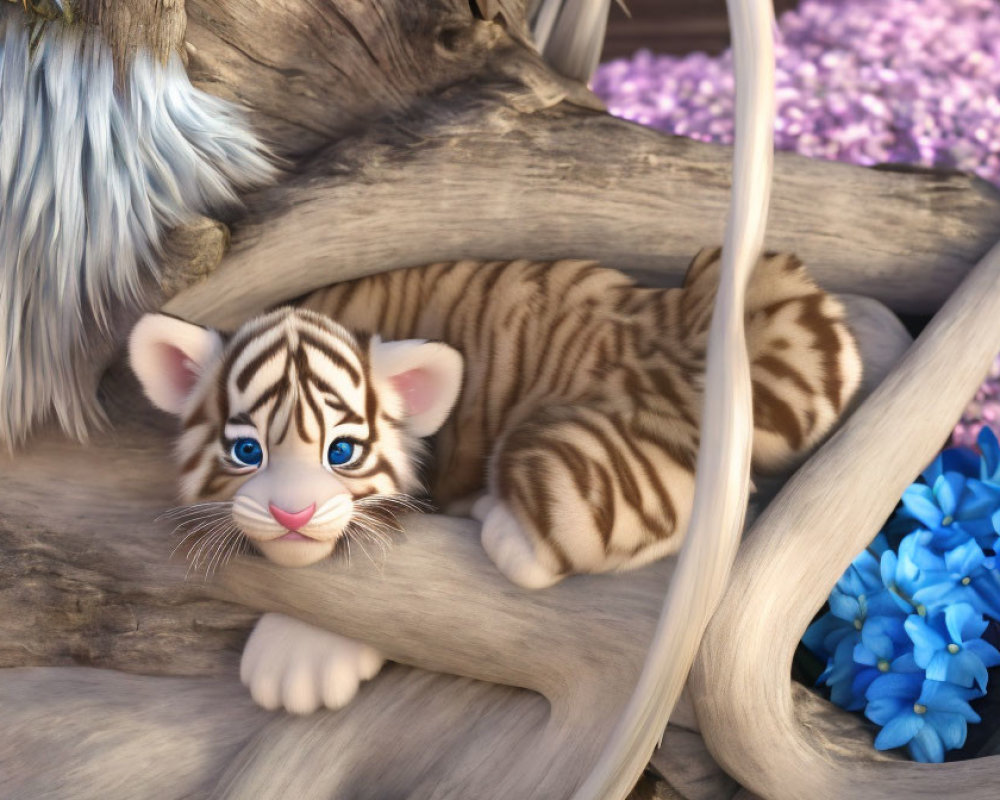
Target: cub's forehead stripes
x,y
295,342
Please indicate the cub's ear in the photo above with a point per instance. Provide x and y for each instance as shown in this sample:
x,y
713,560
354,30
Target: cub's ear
x,y
168,356
427,375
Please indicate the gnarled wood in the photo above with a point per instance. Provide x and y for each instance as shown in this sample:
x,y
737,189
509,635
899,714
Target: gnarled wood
x,y
824,517
393,117
395,197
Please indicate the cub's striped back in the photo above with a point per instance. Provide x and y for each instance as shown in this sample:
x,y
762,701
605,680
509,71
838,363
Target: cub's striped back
x,y
575,435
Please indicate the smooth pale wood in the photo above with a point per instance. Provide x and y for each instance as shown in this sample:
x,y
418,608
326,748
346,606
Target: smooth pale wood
x,y
96,734
722,472
582,184
826,514
106,735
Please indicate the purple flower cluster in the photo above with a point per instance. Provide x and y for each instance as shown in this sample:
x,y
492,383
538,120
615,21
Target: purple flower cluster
x,y
903,639
864,81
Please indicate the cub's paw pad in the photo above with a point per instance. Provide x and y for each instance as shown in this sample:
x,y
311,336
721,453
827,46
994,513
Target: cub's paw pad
x,y
509,547
292,665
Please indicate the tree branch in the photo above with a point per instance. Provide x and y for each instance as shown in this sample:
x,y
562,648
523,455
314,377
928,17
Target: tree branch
x,y
582,184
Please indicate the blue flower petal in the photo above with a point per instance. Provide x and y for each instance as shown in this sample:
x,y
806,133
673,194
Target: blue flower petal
x,y
882,710
983,650
951,728
986,587
882,635
906,663
816,634
940,590
919,501
962,668
990,449
948,490
955,459
891,693
899,731
916,553
964,559
949,698
962,621
979,500
844,606
927,746
926,641
862,680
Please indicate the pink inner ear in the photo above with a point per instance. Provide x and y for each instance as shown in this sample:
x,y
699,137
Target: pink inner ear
x,y
416,386
181,370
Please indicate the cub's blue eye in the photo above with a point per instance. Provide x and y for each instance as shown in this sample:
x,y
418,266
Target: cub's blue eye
x,y
247,452
343,453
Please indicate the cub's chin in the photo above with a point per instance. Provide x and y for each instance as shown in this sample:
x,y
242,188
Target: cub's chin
x,y
295,553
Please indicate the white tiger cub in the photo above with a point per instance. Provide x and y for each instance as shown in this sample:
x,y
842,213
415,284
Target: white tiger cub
x,y
306,431
572,438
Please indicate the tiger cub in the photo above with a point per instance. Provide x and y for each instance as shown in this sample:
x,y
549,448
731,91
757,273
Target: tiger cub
x,y
571,433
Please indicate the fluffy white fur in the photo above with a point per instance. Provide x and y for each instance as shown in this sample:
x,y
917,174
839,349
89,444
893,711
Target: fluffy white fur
x,y
290,664
90,178
169,356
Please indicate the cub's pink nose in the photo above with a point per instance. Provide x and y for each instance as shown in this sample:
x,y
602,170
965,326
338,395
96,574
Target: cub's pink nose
x,y
293,520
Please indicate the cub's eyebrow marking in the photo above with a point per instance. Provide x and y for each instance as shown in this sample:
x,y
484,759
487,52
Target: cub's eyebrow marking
x,y
243,418
350,415
334,357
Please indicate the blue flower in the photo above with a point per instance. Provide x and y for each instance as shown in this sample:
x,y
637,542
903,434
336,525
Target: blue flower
x,y
955,459
966,576
884,647
858,597
927,716
989,465
902,572
903,638
860,592
954,508
841,672
949,648
824,635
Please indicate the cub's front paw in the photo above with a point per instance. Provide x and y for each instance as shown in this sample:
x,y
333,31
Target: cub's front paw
x,y
290,664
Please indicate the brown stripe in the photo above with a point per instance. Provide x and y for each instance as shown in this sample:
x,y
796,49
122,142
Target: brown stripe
x,y
665,500
781,369
773,414
336,358
198,454
251,368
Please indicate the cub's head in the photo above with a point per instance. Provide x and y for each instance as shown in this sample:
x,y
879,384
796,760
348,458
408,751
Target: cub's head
x,y
304,427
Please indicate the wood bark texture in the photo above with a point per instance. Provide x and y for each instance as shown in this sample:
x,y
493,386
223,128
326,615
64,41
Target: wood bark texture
x,y
410,133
